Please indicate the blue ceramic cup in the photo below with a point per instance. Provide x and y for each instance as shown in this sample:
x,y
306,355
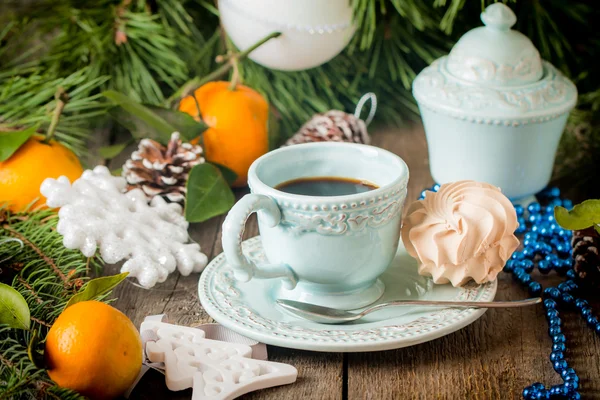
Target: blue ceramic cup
x,y
326,250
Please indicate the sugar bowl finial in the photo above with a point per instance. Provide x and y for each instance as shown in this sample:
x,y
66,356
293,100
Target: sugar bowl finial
x,y
499,17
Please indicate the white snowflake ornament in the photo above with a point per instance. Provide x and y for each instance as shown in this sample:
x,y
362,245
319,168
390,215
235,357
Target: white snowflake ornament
x,y
215,370
95,213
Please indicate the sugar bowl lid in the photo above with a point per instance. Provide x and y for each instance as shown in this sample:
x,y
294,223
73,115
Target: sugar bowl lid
x,y
495,75
494,54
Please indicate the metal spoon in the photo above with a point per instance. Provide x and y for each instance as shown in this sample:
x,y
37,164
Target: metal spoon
x,y
326,315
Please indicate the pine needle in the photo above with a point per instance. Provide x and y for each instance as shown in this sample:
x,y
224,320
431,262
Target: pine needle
x,y
48,276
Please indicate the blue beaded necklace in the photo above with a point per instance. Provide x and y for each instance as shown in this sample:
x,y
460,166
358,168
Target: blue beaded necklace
x,y
542,236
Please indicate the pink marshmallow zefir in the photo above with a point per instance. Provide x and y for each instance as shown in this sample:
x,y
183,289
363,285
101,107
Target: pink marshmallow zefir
x,y
463,231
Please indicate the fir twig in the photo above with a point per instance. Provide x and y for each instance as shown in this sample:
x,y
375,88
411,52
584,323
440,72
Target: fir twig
x,y
38,280
25,101
148,49
6,362
229,61
61,98
39,252
39,321
30,289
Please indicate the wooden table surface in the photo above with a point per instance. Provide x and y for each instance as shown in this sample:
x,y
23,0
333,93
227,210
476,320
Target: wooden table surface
x,y
493,358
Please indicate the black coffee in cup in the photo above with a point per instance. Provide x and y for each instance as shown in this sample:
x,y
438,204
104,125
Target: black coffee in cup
x,y
325,186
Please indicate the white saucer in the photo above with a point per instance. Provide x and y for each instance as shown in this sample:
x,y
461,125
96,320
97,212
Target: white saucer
x,y
249,309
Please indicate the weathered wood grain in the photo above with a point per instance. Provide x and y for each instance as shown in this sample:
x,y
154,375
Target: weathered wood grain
x,y
494,358
320,375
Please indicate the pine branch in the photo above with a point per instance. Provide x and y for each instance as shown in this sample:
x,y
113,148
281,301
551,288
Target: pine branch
x,y
39,321
27,100
12,232
148,49
30,289
48,269
142,46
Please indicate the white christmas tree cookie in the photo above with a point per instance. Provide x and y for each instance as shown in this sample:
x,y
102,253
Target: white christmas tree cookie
x,y
95,213
212,368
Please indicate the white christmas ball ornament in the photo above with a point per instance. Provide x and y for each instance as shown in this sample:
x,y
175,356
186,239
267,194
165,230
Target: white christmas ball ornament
x,y
313,31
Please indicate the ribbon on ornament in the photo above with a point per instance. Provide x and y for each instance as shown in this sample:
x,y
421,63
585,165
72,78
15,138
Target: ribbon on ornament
x,y
211,331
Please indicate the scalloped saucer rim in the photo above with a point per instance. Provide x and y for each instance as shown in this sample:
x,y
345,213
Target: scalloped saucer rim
x,y
249,309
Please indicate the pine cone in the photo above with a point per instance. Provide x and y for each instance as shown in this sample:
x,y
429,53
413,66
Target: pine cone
x,y
162,171
586,256
332,126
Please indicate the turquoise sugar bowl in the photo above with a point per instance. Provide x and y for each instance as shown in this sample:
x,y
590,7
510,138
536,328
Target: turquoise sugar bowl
x,y
493,110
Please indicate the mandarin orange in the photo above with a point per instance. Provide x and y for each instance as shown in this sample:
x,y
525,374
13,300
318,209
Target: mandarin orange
x,y
23,173
94,349
237,120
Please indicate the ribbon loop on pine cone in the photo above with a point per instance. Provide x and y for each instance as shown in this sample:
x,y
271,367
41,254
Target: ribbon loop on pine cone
x,y
7,240
361,103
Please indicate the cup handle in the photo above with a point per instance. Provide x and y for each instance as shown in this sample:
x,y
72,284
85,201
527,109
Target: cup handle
x,y
233,231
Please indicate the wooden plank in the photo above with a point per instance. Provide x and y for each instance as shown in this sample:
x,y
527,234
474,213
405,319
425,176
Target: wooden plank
x,y
320,375
178,298
494,358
